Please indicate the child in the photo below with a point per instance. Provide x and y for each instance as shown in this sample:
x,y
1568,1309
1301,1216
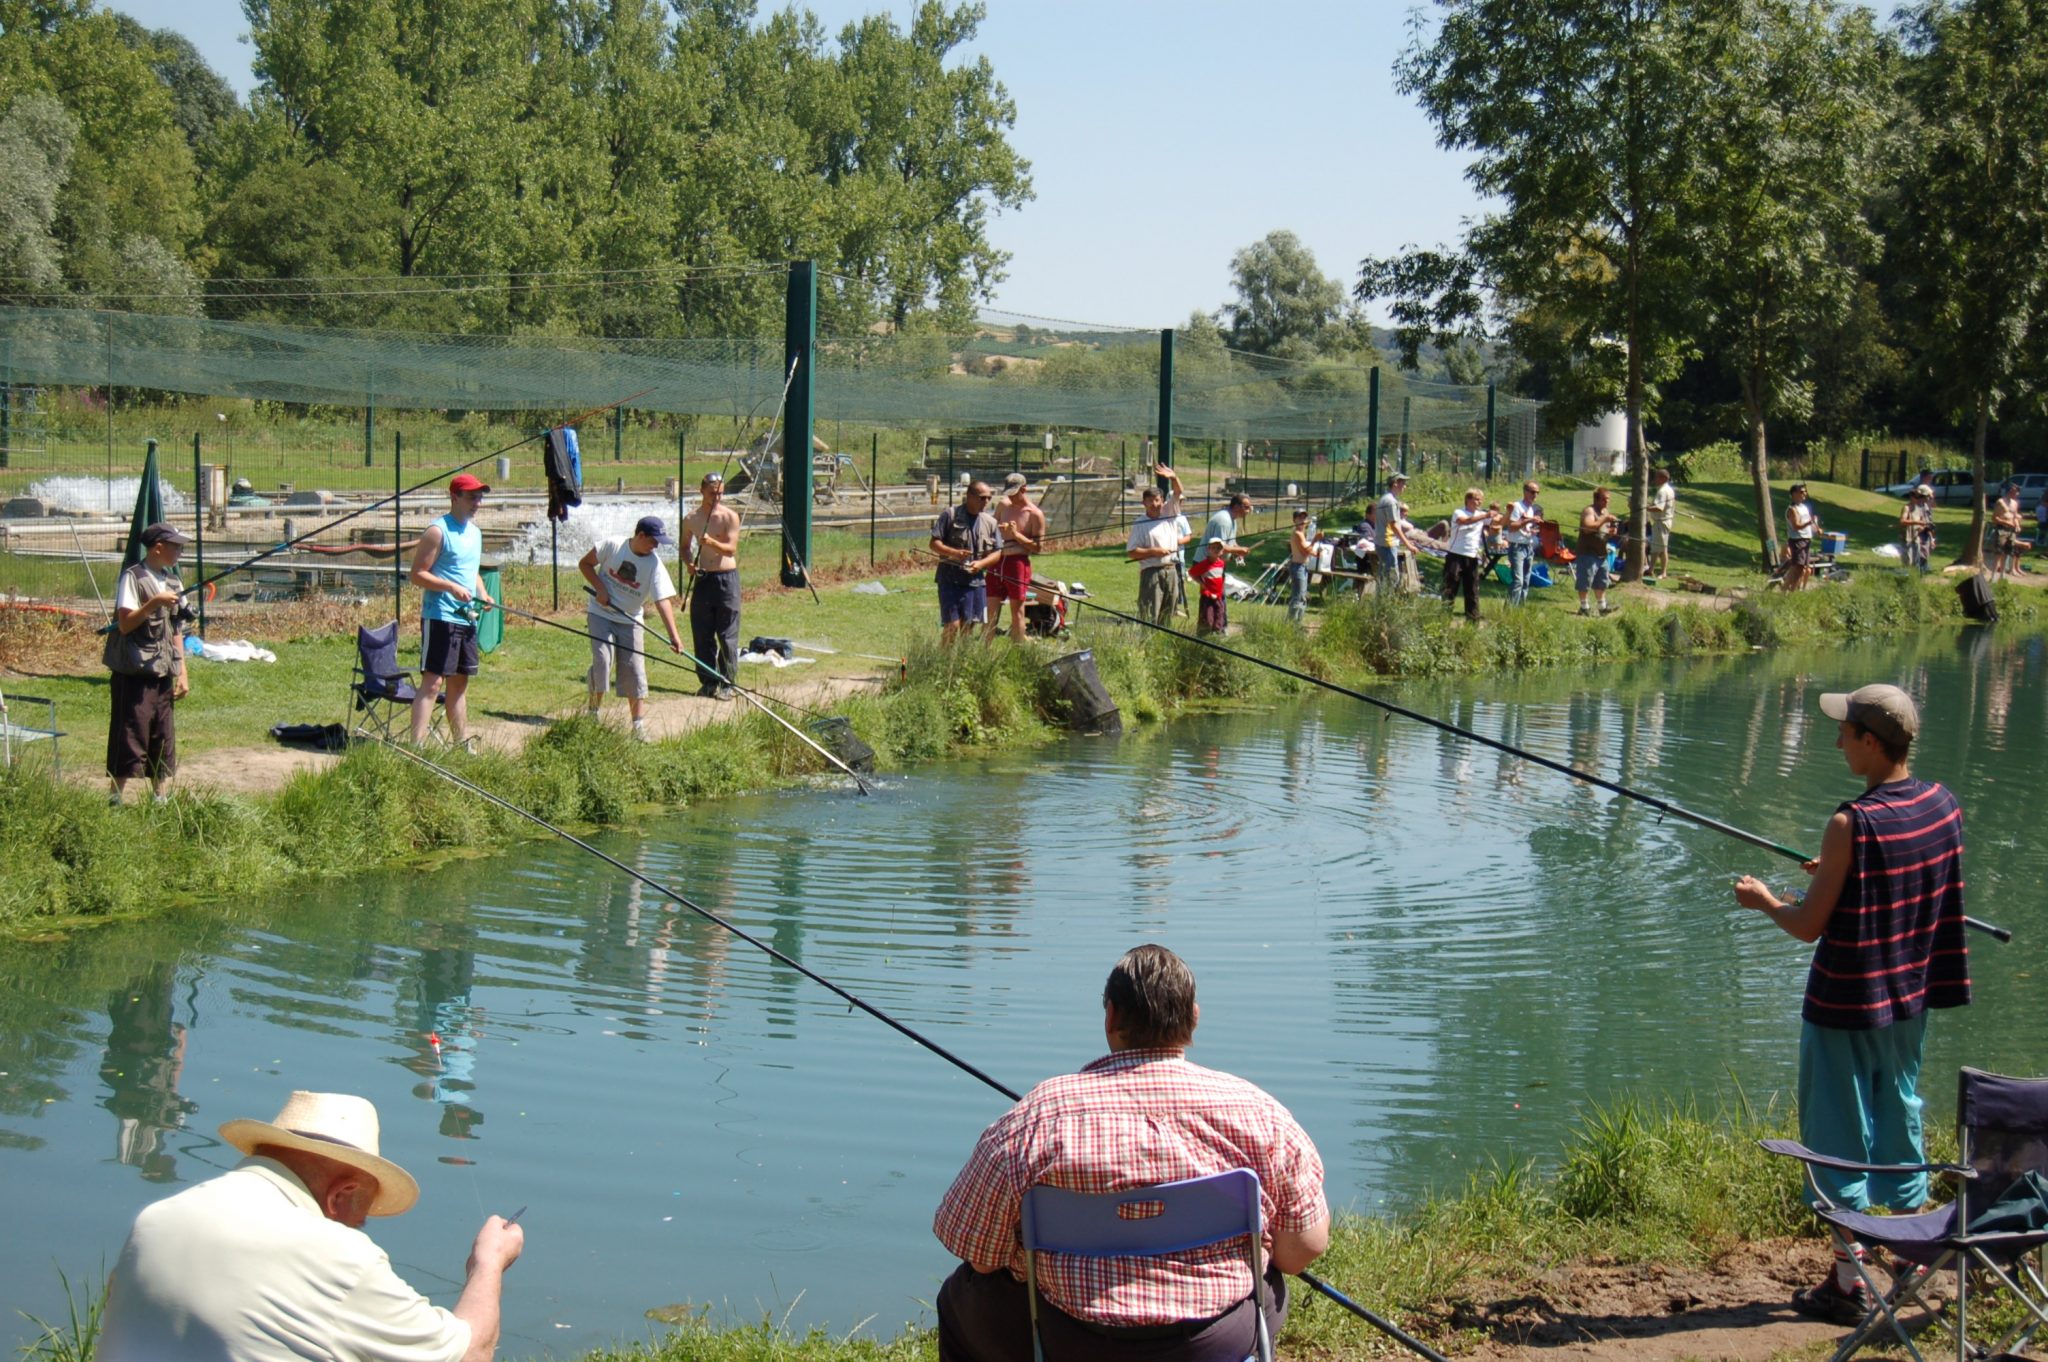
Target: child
x,y
1208,572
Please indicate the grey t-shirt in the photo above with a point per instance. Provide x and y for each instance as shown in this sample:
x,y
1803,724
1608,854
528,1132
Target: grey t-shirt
x,y
631,580
959,528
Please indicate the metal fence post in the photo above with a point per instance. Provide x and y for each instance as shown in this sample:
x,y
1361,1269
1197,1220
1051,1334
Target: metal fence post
x,y
1372,432
1123,482
1492,431
370,420
618,435
398,527
874,487
198,530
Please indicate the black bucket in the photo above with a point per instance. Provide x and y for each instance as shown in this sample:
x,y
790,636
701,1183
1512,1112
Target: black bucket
x,y
835,734
1089,708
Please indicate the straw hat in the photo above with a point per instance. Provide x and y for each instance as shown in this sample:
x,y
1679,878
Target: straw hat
x,y
335,1126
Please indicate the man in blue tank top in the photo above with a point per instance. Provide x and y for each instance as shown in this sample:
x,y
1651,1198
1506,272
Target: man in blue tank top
x,y
1885,911
444,567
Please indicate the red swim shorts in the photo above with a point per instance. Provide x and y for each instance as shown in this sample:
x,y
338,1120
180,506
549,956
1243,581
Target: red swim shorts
x,y
1009,580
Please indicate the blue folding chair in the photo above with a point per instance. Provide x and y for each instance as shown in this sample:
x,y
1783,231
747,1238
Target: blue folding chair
x,y
1146,1222
1998,1219
381,690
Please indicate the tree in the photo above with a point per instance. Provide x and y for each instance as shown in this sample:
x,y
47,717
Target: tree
x,y
1791,97
1282,295
1973,245
1582,116
36,136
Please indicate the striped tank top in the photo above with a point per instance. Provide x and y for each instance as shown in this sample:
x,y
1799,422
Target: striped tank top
x,y
1894,945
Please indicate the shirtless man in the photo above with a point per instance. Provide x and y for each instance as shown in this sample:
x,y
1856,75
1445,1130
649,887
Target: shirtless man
x,y
711,548
2005,532
1022,525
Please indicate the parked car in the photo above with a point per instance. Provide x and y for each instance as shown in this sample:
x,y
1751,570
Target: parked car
x,y
1952,487
2032,486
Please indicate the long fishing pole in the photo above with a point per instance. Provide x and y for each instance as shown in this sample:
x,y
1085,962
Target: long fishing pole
x,y
424,483
743,690
1662,806
852,999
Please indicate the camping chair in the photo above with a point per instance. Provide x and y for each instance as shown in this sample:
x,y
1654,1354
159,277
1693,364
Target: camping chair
x,y
383,691
1550,544
1146,1222
1997,1219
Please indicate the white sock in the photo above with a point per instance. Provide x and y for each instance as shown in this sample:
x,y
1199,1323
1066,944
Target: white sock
x,y
1845,1271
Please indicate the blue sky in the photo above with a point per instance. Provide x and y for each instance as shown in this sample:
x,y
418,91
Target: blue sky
x,y
1162,136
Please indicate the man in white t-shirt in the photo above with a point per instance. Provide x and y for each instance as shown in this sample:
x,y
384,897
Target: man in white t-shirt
x,y
1801,523
1386,517
624,576
1461,555
1155,546
1663,508
1524,525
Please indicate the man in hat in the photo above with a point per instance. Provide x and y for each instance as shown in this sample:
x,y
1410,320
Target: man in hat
x,y
147,660
1022,526
1386,522
1138,1116
268,1262
624,575
714,568
1885,911
446,567
1916,528
1155,546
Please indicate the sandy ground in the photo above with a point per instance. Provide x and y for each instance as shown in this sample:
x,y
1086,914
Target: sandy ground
x,y
260,770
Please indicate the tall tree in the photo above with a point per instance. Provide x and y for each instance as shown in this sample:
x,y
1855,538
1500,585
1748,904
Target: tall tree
x,y
1792,97
1582,117
1282,294
1973,246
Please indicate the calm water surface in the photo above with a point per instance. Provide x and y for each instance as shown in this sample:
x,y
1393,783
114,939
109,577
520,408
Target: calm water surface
x,y
1434,955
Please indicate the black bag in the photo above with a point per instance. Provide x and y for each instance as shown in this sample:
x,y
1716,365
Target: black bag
x,y
319,737
1975,593
783,646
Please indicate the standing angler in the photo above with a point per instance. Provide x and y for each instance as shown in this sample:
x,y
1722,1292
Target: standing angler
x,y
967,543
1022,525
1155,546
714,568
1885,910
624,575
148,664
445,567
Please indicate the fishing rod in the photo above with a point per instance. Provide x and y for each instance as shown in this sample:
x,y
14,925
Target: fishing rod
x,y
251,561
724,468
743,690
852,999
1664,807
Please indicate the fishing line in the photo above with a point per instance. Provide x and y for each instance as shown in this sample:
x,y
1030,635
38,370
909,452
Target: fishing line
x,y
852,999
250,562
743,690
1664,807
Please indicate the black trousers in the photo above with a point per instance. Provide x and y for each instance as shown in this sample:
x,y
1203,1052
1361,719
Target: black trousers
x,y
142,736
1462,574
715,627
986,1317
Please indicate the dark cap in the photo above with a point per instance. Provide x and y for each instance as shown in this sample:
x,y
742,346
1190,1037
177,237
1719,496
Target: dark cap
x,y
1884,710
651,526
467,482
163,532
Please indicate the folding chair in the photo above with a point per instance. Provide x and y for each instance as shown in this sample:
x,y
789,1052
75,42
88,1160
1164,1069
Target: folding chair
x,y
2002,1135
1146,1222
382,691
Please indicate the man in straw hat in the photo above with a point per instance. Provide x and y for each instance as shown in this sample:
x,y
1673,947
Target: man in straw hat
x,y
1885,911
268,1262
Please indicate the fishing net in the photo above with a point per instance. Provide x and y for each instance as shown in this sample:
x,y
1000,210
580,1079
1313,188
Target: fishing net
x,y
1089,706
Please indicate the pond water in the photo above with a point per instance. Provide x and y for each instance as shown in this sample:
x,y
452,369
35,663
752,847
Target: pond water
x,y
1435,955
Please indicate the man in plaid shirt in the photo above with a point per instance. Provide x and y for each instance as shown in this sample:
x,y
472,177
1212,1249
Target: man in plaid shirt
x,y
1138,1116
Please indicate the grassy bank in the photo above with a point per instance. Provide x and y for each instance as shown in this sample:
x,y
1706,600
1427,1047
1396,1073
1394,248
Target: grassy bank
x,y
1672,1185
67,856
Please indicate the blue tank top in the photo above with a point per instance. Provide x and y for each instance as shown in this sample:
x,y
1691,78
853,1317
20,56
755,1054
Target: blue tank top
x,y
462,549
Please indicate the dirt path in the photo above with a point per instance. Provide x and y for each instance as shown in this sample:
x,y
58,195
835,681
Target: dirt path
x,y
263,770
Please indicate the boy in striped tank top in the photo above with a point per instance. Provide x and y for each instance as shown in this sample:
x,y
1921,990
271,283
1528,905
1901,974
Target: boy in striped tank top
x,y
1885,911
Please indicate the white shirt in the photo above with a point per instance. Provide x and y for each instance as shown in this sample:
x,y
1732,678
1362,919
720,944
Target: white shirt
x,y
1468,532
129,593
1801,518
630,580
245,1268
1662,503
1524,510
1161,531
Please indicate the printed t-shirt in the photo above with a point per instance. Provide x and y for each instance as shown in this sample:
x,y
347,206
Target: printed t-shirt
x,y
631,580
1524,510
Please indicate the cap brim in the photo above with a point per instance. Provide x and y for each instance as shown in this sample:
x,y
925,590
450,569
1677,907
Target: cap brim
x,y
1835,705
397,1191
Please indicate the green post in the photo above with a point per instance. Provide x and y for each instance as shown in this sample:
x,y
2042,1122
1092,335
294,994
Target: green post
x,y
1123,483
1165,449
6,401
1864,480
949,467
370,418
397,525
618,435
199,530
1407,404
1016,460
1492,431
874,484
1372,433
107,323
799,340
1209,490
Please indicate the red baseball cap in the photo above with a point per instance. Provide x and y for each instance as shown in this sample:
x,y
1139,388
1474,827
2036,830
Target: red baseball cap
x,y
465,482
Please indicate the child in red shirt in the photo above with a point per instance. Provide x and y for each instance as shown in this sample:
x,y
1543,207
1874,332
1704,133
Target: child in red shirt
x,y
1210,617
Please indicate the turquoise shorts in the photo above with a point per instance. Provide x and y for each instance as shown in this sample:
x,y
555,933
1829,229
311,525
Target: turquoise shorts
x,y
1859,1099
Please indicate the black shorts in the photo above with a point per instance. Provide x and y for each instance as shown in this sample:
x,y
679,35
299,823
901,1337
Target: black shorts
x,y
1802,552
450,649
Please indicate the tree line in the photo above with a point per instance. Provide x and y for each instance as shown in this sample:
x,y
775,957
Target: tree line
x,y
575,167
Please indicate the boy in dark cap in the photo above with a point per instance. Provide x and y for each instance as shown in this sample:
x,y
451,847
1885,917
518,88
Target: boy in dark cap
x,y
147,659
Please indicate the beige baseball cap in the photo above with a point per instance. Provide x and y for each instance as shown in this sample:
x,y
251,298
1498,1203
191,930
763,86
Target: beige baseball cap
x,y
1884,710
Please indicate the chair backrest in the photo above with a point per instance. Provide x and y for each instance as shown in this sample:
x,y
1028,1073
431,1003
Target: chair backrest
x,y
377,657
2002,1128
1170,1217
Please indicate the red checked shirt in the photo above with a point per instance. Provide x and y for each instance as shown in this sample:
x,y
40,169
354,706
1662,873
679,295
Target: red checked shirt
x,y
1133,1118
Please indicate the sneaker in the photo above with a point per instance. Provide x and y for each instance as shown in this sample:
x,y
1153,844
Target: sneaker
x,y
159,800
640,731
1584,612
1606,609
724,693
1831,1303
113,801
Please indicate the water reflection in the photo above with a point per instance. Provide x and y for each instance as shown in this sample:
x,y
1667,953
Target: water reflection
x,y
141,1065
